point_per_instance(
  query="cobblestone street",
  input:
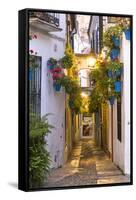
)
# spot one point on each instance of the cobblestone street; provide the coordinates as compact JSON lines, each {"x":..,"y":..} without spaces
{"x":88,"y":165}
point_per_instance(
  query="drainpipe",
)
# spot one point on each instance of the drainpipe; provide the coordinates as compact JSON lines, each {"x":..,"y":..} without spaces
{"x":88,"y":31}
{"x":101,"y":32}
{"x":74,"y":31}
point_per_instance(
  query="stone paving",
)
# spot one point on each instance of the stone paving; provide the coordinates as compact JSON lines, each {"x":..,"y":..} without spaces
{"x":88,"y":165}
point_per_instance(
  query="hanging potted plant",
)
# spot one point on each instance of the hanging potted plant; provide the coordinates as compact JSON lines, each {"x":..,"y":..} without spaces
{"x":127,"y":34}
{"x":57,"y":82}
{"x":117,"y":86}
{"x":125,"y":24}
{"x":75,"y":102}
{"x":116,"y":41}
{"x":51,"y":63}
{"x":67,"y":60}
{"x":57,"y":76}
{"x":57,"y":86}
{"x":110,"y":73}
{"x":114,"y":54}
{"x":112,"y":36}
{"x":114,"y":68}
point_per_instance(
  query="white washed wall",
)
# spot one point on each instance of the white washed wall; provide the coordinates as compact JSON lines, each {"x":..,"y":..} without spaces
{"x":122,"y":149}
{"x":126,"y":103}
{"x":52,"y":45}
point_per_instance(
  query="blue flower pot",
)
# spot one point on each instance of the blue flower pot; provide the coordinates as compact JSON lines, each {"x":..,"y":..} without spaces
{"x":51,"y":67}
{"x":118,"y":72}
{"x":127,"y":34}
{"x":57,"y":87}
{"x":117,"y":86}
{"x":110,"y":73}
{"x":111,"y":100}
{"x":116,"y":41}
{"x":114,"y":54}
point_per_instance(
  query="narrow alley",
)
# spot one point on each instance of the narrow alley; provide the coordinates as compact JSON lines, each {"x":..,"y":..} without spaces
{"x":79,"y":94}
{"x":87,"y":165}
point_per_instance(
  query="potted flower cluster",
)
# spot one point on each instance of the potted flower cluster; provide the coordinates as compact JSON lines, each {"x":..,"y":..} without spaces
{"x":51,"y":64}
{"x":68,"y":59}
{"x":112,"y":40}
{"x":114,"y":69}
{"x":125,"y":25}
{"x":57,"y":75}
{"x":73,"y":89}
{"x":56,"y":72}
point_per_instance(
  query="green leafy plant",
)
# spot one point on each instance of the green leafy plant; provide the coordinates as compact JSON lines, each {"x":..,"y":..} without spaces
{"x":75,"y":103}
{"x":68,"y":60}
{"x":52,"y":61}
{"x":72,"y":88}
{"x":39,"y":158}
{"x":95,"y":101}
{"x":33,"y":62}
{"x":124,"y":23}
{"x":114,"y":65}
{"x":71,"y":85}
{"x":100,"y":79}
{"x":115,"y":31}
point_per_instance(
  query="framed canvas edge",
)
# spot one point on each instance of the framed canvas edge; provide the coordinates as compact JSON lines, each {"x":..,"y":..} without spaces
{"x":23,"y":127}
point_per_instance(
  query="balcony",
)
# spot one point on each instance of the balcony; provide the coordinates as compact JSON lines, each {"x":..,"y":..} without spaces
{"x":48,"y":22}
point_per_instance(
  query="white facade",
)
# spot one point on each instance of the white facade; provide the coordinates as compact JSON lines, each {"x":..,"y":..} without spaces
{"x":52,"y":45}
{"x":81,"y":40}
{"x":121,"y":150}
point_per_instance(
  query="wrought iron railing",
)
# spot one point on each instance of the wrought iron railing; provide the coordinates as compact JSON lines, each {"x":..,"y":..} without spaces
{"x":52,"y":18}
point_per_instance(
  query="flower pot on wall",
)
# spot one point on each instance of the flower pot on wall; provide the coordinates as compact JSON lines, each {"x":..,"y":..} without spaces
{"x":114,"y":54}
{"x":110,"y":73}
{"x":57,"y":87}
{"x":117,"y":86}
{"x":127,"y":34}
{"x":51,"y":67}
{"x":111,"y":100}
{"x":116,"y":41}
{"x":118,"y":72}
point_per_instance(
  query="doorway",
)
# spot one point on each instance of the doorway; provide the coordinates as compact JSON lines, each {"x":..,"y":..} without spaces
{"x":87,"y":127}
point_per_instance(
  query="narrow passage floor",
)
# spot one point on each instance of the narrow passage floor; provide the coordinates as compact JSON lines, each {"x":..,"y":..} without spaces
{"x":88,"y":165}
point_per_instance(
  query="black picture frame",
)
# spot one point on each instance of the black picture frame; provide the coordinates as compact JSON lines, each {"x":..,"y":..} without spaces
{"x":23,"y":133}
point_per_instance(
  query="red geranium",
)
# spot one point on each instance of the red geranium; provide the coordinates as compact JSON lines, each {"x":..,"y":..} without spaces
{"x":56,"y":76}
{"x":57,"y":69}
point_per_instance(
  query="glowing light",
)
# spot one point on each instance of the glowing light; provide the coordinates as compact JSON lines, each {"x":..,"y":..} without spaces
{"x":84,"y":95}
{"x":86,"y":106}
{"x":91,"y":61}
